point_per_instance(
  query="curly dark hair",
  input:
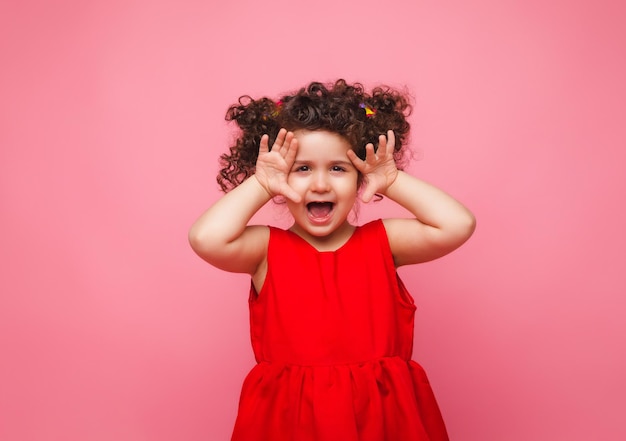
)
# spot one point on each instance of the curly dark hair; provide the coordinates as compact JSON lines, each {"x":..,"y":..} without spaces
{"x":341,"y":108}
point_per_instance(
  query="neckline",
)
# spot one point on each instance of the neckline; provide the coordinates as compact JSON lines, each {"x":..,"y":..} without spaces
{"x":341,"y":247}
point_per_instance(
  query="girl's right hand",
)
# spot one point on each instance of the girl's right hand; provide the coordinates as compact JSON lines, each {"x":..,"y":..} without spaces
{"x":273,"y":166}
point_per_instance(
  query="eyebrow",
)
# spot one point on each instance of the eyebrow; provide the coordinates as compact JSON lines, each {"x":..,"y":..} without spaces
{"x":341,"y":161}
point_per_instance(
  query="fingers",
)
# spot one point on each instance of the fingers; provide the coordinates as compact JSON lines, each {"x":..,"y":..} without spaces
{"x":264,"y":145}
{"x":285,"y":144}
{"x":280,"y":140}
{"x":386,"y":144}
{"x":391,"y":140}
{"x":356,"y":161}
{"x":284,"y":148}
{"x":292,"y":150}
{"x":370,"y":154}
{"x":283,"y":138}
{"x":290,"y":193}
{"x":382,"y":146}
{"x":368,"y":193}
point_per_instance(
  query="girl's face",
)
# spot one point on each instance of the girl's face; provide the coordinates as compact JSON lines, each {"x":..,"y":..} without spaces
{"x":327,"y":182}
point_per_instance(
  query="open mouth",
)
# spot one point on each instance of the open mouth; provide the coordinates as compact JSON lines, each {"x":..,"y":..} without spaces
{"x":320,"y":210}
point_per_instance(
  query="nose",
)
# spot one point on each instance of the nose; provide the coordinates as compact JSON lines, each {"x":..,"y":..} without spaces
{"x":320,"y":182}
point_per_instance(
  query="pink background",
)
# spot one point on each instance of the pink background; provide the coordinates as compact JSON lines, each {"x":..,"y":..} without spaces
{"x":110,"y":127}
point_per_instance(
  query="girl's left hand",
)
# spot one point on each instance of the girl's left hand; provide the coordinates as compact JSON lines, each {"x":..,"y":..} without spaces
{"x":379,"y":168}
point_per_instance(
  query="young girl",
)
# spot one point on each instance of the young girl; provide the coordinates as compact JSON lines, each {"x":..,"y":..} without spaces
{"x":331,"y":322}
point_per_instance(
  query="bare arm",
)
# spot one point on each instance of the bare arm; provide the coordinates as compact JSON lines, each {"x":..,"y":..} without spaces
{"x":441,"y":223}
{"x":221,"y":235}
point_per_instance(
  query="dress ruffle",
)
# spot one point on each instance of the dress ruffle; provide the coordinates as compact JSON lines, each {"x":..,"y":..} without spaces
{"x":387,"y":399}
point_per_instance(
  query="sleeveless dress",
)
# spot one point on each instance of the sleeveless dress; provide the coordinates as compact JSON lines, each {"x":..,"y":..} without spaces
{"x":332,"y":334}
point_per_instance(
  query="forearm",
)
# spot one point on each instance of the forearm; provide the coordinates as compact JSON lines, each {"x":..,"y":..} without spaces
{"x":430,"y":205}
{"x":226,"y":220}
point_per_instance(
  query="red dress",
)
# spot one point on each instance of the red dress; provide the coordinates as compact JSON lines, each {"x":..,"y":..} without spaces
{"x":332,"y":332}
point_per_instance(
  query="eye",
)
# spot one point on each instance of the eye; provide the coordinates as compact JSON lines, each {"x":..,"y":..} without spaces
{"x":338,"y":168}
{"x":303,"y":168}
